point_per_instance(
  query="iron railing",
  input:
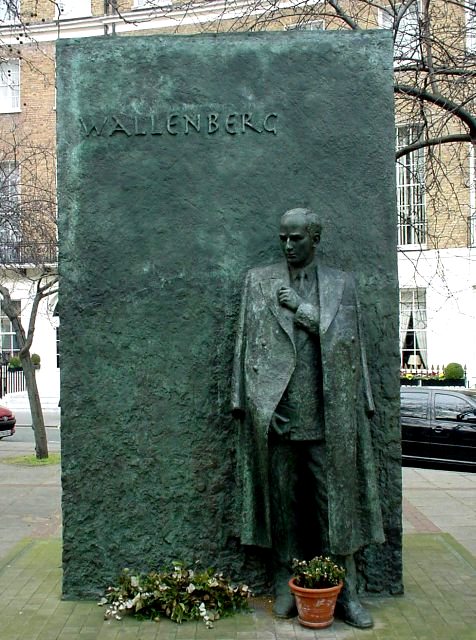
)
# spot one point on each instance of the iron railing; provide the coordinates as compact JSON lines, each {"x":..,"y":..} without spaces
{"x":11,"y":381}
{"x":23,"y":253}
{"x":431,"y":376}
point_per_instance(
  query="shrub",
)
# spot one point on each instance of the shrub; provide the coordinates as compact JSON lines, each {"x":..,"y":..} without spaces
{"x":14,"y":363}
{"x":35,"y":359}
{"x":453,"y":371}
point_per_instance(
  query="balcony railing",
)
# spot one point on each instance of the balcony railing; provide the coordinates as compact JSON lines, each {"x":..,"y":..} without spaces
{"x":26,"y":253}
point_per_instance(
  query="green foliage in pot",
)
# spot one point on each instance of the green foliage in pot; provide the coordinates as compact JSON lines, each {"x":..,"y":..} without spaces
{"x":35,"y":359}
{"x":182,"y":593}
{"x":14,"y":363}
{"x":453,"y":371}
{"x":319,"y":573}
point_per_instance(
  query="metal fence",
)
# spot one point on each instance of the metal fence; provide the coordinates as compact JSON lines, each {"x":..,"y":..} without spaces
{"x":11,"y":381}
{"x":433,"y":376}
{"x":28,"y":253}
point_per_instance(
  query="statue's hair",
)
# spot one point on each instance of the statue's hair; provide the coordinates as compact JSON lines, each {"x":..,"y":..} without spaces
{"x":313,"y":224}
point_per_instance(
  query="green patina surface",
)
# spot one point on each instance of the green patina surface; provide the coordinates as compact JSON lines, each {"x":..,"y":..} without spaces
{"x":176,"y":158}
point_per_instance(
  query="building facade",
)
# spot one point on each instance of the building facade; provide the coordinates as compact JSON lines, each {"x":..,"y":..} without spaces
{"x":436,"y":188}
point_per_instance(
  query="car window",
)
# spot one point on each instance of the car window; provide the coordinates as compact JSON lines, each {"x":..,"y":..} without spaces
{"x":414,"y":404}
{"x":447,"y":406}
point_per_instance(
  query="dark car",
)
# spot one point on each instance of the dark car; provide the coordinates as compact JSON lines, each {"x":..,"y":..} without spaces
{"x":438,"y":427}
{"x":7,"y":423}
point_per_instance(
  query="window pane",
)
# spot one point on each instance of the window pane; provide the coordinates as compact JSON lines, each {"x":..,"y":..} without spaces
{"x":411,"y":187}
{"x":8,"y":10}
{"x":414,"y":404}
{"x":9,"y":85}
{"x":448,"y":407}
{"x":407,"y":48}
{"x":413,"y":325}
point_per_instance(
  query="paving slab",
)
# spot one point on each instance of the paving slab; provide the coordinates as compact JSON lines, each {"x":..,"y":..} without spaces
{"x":439,"y":603}
{"x":439,"y":571}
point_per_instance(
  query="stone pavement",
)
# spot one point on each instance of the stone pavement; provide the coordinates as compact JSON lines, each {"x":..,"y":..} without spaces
{"x":440,"y":572}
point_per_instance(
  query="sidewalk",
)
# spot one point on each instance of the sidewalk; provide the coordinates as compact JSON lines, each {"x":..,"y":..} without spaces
{"x":440,"y":573}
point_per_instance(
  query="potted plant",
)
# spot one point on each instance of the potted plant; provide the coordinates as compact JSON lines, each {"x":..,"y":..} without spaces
{"x":35,"y":360}
{"x":316,"y":584}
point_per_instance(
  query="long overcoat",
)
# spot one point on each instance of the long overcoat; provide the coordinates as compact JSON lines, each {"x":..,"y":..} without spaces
{"x":265,"y":358}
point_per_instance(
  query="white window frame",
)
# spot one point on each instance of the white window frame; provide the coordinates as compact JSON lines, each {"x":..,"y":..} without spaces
{"x":10,"y":230}
{"x":470,"y":19}
{"x":9,"y":11}
{"x":411,"y":192}
{"x":312,"y":25}
{"x":407,"y":40}
{"x":10,"y":81}
{"x":413,"y":310}
{"x":14,"y":348}
{"x":71,"y":9}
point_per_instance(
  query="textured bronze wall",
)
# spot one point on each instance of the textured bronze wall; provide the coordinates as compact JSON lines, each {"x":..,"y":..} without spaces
{"x":176,"y":158}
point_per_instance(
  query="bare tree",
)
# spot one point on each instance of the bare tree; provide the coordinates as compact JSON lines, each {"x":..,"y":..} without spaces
{"x":434,"y":46}
{"x":45,"y":285}
{"x":27,"y":245}
{"x":435,"y":87}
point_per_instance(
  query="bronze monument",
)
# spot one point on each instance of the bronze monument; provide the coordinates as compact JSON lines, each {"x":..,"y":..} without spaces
{"x":302,"y":394}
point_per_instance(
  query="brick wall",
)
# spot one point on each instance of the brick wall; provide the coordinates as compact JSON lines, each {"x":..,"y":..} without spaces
{"x":447,"y":177}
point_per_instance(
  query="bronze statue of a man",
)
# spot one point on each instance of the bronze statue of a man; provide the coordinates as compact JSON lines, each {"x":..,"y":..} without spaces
{"x":301,"y":390}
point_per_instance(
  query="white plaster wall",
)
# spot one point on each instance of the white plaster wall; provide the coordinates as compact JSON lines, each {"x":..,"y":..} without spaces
{"x":44,"y":340}
{"x":449,"y":277}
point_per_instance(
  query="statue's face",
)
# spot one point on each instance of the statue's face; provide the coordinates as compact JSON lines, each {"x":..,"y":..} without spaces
{"x":297,"y":244}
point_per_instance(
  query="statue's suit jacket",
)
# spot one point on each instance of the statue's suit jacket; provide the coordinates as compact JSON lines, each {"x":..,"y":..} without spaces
{"x":265,"y":357}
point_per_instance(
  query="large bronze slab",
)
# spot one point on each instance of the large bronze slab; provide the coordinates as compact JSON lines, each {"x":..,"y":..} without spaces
{"x":176,"y":158}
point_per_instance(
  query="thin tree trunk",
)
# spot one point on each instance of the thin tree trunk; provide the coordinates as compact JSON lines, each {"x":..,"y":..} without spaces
{"x":24,"y":341}
{"x":38,"y":423}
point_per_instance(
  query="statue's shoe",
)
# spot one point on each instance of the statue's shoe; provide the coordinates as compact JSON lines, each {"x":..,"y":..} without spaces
{"x":353,"y":613}
{"x":285,"y":606}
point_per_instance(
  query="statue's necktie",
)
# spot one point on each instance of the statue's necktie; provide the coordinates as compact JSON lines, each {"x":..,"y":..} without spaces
{"x":300,"y":284}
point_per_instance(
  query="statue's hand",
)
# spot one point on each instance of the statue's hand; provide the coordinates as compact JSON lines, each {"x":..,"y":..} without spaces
{"x":280,"y":424}
{"x":288,"y":298}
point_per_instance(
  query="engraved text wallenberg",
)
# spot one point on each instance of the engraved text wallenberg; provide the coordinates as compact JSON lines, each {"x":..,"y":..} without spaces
{"x":176,"y":124}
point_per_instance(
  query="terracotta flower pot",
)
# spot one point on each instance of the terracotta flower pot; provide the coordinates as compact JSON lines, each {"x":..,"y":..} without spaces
{"x":315,"y":606}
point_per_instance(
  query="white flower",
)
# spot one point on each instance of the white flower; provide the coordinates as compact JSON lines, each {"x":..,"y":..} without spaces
{"x":134,"y":581}
{"x":191,"y":588}
{"x":213,"y":582}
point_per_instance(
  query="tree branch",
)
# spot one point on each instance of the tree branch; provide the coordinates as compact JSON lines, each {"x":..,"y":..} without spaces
{"x":343,"y":16}
{"x":448,"y":105}
{"x":431,"y":142}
